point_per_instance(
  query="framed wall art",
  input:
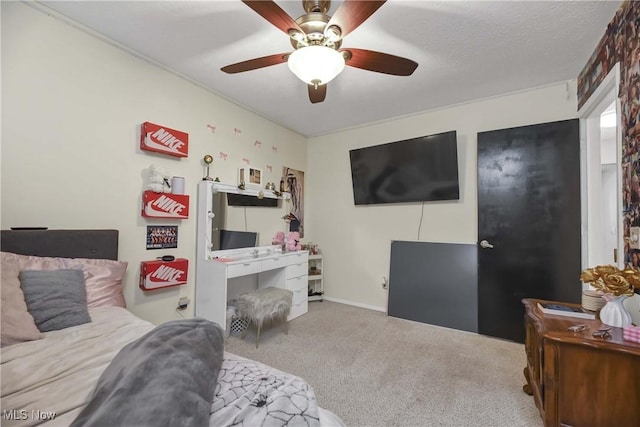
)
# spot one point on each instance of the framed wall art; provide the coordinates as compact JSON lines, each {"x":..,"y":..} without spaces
{"x":162,"y":236}
{"x":250,"y":176}
{"x":293,"y":181}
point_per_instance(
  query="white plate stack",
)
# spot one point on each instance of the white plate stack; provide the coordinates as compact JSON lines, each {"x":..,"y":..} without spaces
{"x":592,"y":300}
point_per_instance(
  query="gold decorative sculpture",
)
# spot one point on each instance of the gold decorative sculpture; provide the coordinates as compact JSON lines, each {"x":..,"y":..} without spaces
{"x":207,"y":159}
{"x":609,"y":279}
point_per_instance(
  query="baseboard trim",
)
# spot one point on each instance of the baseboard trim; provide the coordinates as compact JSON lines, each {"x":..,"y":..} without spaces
{"x":356,"y":304}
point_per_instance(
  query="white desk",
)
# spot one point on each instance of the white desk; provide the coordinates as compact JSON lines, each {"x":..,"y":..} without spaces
{"x":215,"y":278}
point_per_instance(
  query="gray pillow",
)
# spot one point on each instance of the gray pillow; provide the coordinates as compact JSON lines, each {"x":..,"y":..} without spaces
{"x":56,"y":299}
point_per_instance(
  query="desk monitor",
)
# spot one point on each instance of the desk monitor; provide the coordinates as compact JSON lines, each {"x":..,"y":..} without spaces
{"x":237,"y":239}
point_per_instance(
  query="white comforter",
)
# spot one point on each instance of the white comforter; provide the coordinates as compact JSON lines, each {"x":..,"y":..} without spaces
{"x":49,"y":381}
{"x":57,"y":374}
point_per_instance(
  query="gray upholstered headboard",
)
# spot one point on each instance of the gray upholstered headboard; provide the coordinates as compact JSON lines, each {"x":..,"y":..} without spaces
{"x":96,"y":244}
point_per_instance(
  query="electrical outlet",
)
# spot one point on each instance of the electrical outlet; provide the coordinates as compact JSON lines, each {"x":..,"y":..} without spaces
{"x":183,"y":303}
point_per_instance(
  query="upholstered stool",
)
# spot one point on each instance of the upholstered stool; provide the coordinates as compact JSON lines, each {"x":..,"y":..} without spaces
{"x":265,"y":304}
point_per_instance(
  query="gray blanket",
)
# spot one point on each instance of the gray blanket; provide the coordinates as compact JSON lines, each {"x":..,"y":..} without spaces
{"x":165,"y":378}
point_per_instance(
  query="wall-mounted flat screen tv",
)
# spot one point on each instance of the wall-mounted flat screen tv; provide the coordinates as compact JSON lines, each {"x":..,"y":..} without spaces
{"x":415,"y":170}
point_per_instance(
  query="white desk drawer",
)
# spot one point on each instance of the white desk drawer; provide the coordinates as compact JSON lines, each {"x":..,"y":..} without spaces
{"x":298,"y":310}
{"x":299,"y":256}
{"x":273,"y":263}
{"x":243,"y":269}
{"x":300,"y":282}
{"x":300,"y":295}
{"x":296,"y":270}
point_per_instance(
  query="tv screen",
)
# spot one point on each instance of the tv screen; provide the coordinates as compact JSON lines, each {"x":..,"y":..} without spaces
{"x":414,"y":170}
{"x":237,"y":239}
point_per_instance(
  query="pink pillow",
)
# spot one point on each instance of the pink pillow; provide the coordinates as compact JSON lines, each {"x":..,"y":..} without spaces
{"x":103,"y":277}
{"x":17,"y":324}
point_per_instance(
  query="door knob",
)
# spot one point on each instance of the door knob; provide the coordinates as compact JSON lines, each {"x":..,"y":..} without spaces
{"x":486,"y":245}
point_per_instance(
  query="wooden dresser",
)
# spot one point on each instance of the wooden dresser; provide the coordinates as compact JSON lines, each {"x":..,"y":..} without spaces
{"x":576,"y":379}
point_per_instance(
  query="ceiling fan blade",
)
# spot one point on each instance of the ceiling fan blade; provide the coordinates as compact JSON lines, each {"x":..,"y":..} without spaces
{"x":352,"y":13}
{"x":317,"y":94}
{"x":380,"y":62}
{"x":274,"y":14}
{"x":254,"y":64}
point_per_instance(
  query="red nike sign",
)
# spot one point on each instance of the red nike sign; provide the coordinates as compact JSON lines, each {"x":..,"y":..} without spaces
{"x":163,"y":274}
{"x":162,"y":139}
{"x":165,"y":205}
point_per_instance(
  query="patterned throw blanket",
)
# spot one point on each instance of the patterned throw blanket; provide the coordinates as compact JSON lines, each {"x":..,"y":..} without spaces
{"x":250,"y":394}
{"x":165,"y":378}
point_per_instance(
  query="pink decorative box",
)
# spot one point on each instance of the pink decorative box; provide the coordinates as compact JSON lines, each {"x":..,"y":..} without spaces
{"x":631,"y":333}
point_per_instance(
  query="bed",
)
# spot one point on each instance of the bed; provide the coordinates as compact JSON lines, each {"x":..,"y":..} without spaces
{"x":118,"y":369}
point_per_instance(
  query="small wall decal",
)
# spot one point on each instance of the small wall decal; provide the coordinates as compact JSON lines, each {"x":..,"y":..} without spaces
{"x":237,"y":131}
{"x":245,"y":160}
{"x":211,"y":128}
{"x":223,"y":156}
{"x":270,"y":168}
{"x":257,"y":143}
{"x":274,"y":148}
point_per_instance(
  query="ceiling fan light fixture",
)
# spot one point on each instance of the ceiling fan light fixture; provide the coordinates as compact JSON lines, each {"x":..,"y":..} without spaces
{"x":313,"y":64}
{"x":333,"y":33}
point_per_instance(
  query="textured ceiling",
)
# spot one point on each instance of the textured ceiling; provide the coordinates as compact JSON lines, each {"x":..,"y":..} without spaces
{"x":466,"y":50}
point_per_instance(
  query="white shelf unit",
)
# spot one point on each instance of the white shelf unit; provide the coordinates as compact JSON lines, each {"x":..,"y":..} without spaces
{"x":316,"y":271}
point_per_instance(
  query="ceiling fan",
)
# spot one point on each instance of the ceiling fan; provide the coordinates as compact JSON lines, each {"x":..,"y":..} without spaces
{"x":317,"y":39}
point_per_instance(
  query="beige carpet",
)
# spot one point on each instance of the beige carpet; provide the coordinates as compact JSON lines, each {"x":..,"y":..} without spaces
{"x":374,"y":370}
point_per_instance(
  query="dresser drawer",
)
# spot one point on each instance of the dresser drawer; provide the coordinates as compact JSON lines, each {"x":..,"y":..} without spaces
{"x":300,"y":295}
{"x":298,"y":269}
{"x":298,"y":309}
{"x":273,"y":263}
{"x":300,"y":282}
{"x":299,"y":256}
{"x":243,"y":269}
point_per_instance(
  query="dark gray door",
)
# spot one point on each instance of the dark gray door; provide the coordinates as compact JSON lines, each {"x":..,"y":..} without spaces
{"x":529,"y":216}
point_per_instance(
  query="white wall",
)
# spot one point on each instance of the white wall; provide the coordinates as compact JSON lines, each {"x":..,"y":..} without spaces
{"x":356,"y":240}
{"x":609,"y":204}
{"x":72,"y":105}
